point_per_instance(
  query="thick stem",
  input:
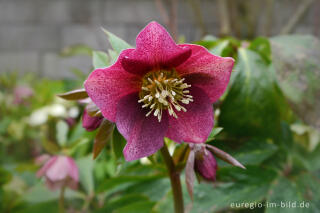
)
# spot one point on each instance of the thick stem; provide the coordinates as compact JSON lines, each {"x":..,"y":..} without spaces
{"x":61,"y":199}
{"x":174,"y":179}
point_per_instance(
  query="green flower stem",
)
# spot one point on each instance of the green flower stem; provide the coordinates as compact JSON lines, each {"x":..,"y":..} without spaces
{"x":61,"y":199}
{"x":174,"y":179}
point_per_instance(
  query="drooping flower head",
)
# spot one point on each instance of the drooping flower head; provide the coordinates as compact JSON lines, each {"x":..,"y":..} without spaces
{"x":60,"y":171}
{"x":205,"y":163}
{"x":91,"y":118}
{"x":160,"y":89}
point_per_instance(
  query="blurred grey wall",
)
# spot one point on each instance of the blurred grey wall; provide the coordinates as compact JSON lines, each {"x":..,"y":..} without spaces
{"x":33,"y":32}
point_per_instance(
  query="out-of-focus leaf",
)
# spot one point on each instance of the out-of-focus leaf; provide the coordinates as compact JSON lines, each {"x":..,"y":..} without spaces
{"x":62,"y":132}
{"x":5,"y":176}
{"x":113,"y":56}
{"x":253,"y":152}
{"x":309,"y":188}
{"x":137,"y":207}
{"x":306,"y":159}
{"x":100,"y":59}
{"x":78,"y":49}
{"x":155,"y":187}
{"x":122,"y":201}
{"x":190,"y":174}
{"x":74,"y":95}
{"x":118,"y":143}
{"x":48,"y":207}
{"x":282,"y":192}
{"x":50,"y":146}
{"x":253,"y":95}
{"x":225,"y":156}
{"x":102,"y":137}
{"x":215,"y":131}
{"x":305,"y":135}
{"x":208,"y":41}
{"x":40,"y":193}
{"x":85,"y":166}
{"x":117,"y":43}
{"x":296,"y":59}
{"x":114,"y":182}
{"x":218,"y":49}
{"x":262,"y":46}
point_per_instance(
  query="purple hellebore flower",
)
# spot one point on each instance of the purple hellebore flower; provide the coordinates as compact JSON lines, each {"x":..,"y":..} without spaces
{"x":60,"y":171}
{"x":160,"y":89}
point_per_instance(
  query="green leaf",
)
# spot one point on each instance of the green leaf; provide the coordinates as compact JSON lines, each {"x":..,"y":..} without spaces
{"x":297,"y":64}
{"x":62,"y":133}
{"x":154,"y":187}
{"x":253,"y":152}
{"x":282,"y":192}
{"x":85,"y":166}
{"x":309,"y":188}
{"x":48,"y":207}
{"x":117,"y":43}
{"x":137,"y":207}
{"x":102,"y":137}
{"x":100,"y":59}
{"x":113,"y":56}
{"x":5,"y":176}
{"x":120,"y":202}
{"x":40,"y":193}
{"x":118,"y":143}
{"x":119,"y":180}
{"x":78,"y":49}
{"x":254,"y":106}
{"x":218,"y":49}
{"x":262,"y":46}
{"x":74,"y":95}
{"x":215,"y":131}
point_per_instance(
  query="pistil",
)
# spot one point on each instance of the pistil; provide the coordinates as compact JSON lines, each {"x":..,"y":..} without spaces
{"x":164,"y":90}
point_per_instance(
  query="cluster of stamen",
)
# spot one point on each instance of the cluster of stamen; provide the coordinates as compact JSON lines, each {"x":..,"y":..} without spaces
{"x":164,"y":90}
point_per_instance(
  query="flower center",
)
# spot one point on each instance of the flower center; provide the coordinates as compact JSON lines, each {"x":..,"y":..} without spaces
{"x":164,"y":90}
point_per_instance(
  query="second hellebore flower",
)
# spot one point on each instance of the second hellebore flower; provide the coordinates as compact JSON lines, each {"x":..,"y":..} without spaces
{"x":160,"y":89}
{"x":60,"y":171}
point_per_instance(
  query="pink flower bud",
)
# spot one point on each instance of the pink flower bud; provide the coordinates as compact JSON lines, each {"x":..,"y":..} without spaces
{"x":60,"y":171}
{"x":42,"y":159}
{"x":90,"y":123}
{"x":21,"y":93}
{"x":206,"y":164}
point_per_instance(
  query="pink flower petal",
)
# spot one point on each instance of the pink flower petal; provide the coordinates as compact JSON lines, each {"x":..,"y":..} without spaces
{"x":59,"y":170}
{"x":106,"y":86}
{"x":209,"y":72}
{"x":195,"y":125}
{"x":155,"y":49}
{"x":73,"y":169}
{"x":90,"y":123}
{"x":46,"y":166}
{"x":144,"y":135}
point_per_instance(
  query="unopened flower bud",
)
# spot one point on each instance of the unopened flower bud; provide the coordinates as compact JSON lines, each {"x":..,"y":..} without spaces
{"x":91,"y":123}
{"x":206,"y":164}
